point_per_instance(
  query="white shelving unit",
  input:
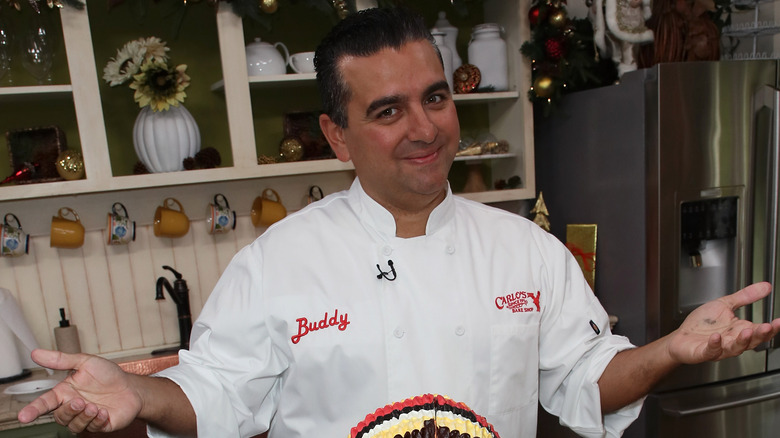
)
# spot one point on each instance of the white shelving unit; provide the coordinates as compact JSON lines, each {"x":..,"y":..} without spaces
{"x":509,"y":114}
{"x":753,"y":29}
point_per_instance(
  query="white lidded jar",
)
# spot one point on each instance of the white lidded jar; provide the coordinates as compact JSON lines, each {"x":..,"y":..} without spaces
{"x":450,"y":38}
{"x":446,"y":54}
{"x":487,"y":51}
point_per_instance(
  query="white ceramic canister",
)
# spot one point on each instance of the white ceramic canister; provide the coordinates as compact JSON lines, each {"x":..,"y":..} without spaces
{"x":446,"y":54}
{"x":487,"y":51}
{"x":450,"y":38}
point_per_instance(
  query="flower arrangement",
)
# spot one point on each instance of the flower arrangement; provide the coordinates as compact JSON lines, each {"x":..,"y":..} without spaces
{"x":145,"y":62}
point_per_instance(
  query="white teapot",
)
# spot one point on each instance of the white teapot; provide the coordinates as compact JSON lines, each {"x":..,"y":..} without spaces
{"x":264,"y":59}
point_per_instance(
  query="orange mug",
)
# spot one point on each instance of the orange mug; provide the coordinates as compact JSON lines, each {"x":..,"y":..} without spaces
{"x":66,"y":233}
{"x":170,"y":222}
{"x":265,"y":211}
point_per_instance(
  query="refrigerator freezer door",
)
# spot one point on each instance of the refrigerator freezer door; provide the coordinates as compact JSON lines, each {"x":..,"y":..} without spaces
{"x":742,"y":408}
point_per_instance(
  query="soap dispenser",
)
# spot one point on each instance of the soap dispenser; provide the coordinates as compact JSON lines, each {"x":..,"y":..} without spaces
{"x":66,"y":336}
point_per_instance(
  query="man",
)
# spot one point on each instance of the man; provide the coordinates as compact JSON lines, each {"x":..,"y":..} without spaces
{"x":392,"y":289}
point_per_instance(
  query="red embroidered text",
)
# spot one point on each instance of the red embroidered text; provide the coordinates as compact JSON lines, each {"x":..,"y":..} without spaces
{"x":519,"y":301}
{"x":305,"y":327}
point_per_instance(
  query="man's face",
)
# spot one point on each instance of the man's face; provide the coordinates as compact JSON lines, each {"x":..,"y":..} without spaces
{"x":403,"y":129}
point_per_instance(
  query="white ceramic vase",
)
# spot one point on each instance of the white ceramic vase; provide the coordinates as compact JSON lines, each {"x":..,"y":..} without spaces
{"x":163,"y":139}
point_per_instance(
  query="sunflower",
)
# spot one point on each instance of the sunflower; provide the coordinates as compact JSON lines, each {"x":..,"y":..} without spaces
{"x":155,"y":49}
{"x":126,"y":63}
{"x":159,"y":85}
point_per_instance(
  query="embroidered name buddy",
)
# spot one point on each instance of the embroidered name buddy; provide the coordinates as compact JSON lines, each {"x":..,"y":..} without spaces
{"x":305,"y":327}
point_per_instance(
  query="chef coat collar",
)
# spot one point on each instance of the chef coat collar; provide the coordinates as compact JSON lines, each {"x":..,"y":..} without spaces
{"x":381,"y":220}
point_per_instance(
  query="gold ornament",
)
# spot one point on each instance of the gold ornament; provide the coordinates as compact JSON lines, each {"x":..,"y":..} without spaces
{"x":70,"y":165}
{"x":269,"y":6}
{"x":541,"y":213}
{"x":558,"y":18}
{"x":291,"y":149}
{"x":341,"y":8}
{"x":543,"y":86}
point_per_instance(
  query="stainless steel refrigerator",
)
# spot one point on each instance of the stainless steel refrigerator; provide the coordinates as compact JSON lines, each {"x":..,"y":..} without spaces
{"x":678,"y":167}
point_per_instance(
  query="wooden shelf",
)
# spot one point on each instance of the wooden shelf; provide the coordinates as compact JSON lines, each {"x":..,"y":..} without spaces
{"x":271,"y":81}
{"x":35,"y":93}
{"x":171,"y":179}
{"x":310,"y":79}
{"x":484,"y":157}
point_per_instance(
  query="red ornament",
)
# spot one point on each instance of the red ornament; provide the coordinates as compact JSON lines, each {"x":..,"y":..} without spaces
{"x":533,"y":15}
{"x":555,"y":48}
{"x":466,"y":78}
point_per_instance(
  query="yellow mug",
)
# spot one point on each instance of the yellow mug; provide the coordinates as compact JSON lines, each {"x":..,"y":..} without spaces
{"x":66,"y":233}
{"x":169,"y":222}
{"x":265,"y":211}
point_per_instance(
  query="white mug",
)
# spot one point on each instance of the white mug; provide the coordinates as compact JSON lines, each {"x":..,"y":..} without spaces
{"x":219,"y":217}
{"x":14,"y":242}
{"x":121,"y":230}
{"x":302,"y":62}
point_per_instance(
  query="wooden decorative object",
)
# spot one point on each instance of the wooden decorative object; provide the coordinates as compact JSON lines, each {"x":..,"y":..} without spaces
{"x":305,"y":127}
{"x":36,"y":145}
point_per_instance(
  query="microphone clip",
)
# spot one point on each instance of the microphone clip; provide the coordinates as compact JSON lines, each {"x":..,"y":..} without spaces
{"x":386,"y":275}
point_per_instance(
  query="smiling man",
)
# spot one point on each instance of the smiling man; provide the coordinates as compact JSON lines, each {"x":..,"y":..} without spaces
{"x":401,"y":129}
{"x":302,"y":338}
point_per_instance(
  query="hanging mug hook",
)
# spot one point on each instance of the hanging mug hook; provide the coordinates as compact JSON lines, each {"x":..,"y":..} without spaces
{"x":224,"y":198}
{"x":114,"y":209}
{"x":315,"y":197}
{"x":5,"y":220}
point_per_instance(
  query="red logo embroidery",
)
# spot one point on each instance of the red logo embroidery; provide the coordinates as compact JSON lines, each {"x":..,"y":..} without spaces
{"x":305,"y":327}
{"x":519,"y":302}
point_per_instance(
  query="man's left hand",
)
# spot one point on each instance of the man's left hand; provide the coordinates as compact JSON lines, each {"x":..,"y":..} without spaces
{"x":713,"y":332}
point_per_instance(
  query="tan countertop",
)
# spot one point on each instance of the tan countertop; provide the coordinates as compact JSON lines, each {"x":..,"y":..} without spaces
{"x":144,"y":364}
{"x":10,"y":406}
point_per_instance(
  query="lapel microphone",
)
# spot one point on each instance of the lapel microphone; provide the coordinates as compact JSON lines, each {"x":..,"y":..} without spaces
{"x":384,"y":274}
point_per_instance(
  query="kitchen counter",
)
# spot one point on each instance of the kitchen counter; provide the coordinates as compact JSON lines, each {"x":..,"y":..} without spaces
{"x":10,"y":406}
{"x":144,"y":364}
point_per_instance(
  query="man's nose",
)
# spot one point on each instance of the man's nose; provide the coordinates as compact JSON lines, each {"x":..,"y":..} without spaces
{"x":421,"y":127}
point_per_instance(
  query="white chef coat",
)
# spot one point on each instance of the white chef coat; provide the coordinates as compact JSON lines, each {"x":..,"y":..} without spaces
{"x":300,"y":335}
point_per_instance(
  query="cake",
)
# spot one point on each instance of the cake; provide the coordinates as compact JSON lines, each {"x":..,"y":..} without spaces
{"x":424,"y":416}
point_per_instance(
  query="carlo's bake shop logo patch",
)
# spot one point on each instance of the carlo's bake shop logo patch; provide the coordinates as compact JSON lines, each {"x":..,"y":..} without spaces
{"x":305,"y":327}
{"x":519,"y":302}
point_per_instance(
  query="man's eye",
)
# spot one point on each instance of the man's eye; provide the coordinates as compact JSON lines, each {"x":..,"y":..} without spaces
{"x":388,"y":112}
{"x":436,"y":98}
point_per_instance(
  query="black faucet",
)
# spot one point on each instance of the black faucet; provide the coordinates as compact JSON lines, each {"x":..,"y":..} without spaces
{"x":180,"y":295}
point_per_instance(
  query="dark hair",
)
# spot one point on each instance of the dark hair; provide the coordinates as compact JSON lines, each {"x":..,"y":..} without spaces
{"x":362,"y":34}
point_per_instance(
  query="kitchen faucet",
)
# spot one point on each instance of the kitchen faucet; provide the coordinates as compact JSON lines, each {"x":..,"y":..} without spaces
{"x":180,"y":295}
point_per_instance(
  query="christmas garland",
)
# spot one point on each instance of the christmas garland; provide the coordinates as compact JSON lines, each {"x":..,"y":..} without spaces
{"x":562,"y":54}
{"x":16,"y":4}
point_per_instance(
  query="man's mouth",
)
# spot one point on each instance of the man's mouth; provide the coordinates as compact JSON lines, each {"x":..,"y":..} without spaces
{"x":425,"y":158}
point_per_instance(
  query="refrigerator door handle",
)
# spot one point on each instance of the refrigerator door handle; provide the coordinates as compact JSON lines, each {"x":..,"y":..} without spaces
{"x":705,"y":405}
{"x":768,"y":98}
{"x":774,"y":156}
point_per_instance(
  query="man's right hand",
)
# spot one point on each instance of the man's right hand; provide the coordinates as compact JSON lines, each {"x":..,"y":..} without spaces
{"x":97,"y":396}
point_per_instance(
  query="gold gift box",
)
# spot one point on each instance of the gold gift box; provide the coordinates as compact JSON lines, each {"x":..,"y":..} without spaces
{"x":581,"y":241}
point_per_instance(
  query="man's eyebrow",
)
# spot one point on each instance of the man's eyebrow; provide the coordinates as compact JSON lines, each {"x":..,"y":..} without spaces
{"x":438,"y":86}
{"x":383,"y":101}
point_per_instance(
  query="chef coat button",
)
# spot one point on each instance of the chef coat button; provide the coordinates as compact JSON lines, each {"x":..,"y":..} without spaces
{"x":450,"y":249}
{"x":386,"y":250}
{"x":460,"y":330}
{"x":398,"y":332}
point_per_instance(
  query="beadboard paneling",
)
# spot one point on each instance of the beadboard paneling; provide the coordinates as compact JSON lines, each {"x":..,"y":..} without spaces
{"x":109,"y":291}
